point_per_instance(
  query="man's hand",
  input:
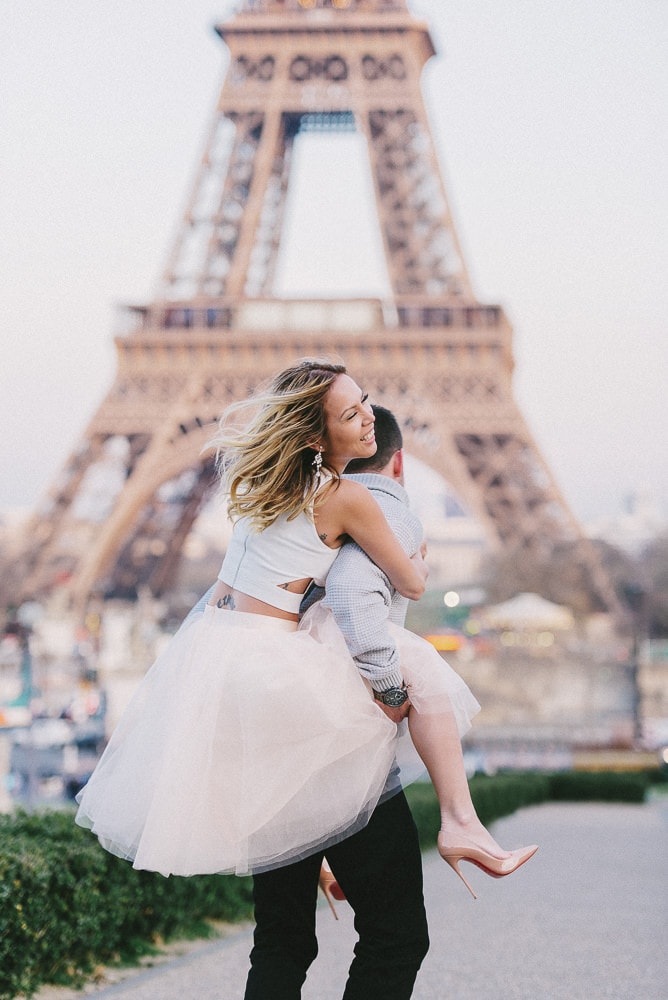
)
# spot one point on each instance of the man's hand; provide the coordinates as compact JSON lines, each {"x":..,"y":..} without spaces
{"x":395,"y":715}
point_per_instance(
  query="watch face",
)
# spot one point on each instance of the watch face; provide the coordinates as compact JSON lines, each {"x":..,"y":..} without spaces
{"x":394,"y":698}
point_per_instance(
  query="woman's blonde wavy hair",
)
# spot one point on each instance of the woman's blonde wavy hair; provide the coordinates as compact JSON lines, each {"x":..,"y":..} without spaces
{"x":266,"y":467}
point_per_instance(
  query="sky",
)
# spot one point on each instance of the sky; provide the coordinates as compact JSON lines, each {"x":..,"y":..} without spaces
{"x":549,"y":119}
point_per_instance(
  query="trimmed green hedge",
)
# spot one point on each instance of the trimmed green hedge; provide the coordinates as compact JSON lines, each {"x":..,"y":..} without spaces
{"x":600,"y":786}
{"x":66,"y":905}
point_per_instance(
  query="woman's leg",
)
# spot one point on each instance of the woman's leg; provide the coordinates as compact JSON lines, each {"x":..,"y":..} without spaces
{"x":436,"y":739}
{"x":442,"y":707}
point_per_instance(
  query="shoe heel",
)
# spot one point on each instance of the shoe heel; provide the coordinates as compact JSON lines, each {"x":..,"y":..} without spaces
{"x":330,"y":887}
{"x":326,"y":891}
{"x":454,"y":864}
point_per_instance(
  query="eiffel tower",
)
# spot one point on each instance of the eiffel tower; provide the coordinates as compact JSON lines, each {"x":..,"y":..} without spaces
{"x":429,"y":350}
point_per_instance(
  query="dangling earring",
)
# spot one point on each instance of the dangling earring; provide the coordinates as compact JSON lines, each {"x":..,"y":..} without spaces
{"x":317,"y":462}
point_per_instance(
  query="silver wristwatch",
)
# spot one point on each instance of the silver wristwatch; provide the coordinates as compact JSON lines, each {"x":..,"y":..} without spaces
{"x":394,"y":697}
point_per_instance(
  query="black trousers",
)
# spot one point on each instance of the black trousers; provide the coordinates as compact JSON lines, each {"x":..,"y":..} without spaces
{"x":380,"y":871}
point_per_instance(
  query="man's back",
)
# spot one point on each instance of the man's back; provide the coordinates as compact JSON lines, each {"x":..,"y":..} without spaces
{"x":360,"y":595}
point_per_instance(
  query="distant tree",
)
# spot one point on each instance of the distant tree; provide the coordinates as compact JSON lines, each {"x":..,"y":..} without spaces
{"x":562,"y":575}
{"x":641,"y":582}
{"x":620,"y":567}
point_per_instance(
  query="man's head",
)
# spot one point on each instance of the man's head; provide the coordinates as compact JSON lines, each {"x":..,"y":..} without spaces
{"x":389,"y":457}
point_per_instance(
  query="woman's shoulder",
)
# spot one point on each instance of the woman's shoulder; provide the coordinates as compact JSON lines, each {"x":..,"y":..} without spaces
{"x":343,"y":488}
{"x":345,"y":494}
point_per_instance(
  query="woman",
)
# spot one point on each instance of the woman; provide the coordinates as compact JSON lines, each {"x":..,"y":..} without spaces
{"x":250,"y":743}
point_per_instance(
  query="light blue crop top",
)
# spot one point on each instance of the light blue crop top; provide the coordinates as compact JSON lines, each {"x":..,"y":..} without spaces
{"x":258,"y":562}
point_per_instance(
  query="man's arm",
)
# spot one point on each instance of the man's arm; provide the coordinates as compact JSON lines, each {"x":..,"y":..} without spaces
{"x":360,"y":597}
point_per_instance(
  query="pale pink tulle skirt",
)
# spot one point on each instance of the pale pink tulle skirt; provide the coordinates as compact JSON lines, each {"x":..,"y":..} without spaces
{"x":248,"y":745}
{"x":433,"y":686}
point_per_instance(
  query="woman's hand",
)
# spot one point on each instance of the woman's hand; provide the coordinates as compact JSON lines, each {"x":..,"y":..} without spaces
{"x":395,"y":715}
{"x":418,"y":560}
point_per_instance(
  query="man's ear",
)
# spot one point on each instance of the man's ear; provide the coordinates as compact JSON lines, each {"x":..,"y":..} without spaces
{"x":398,"y":464}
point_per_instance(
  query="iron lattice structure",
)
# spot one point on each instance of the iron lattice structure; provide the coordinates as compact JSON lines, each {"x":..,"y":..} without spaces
{"x":434,"y":354}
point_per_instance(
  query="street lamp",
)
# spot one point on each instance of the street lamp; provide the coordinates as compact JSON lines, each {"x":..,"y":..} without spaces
{"x":634,"y":596}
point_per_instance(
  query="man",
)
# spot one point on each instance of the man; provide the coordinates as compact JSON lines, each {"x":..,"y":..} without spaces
{"x":380,"y":868}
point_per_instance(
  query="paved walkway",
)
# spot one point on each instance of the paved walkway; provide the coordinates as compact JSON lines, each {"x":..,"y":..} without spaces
{"x":586,"y":919}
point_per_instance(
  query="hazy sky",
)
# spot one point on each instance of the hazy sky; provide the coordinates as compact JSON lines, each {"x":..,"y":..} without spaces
{"x":549,"y":117}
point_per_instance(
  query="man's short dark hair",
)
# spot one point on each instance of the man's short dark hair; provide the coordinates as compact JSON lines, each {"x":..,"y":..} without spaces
{"x":388,"y":440}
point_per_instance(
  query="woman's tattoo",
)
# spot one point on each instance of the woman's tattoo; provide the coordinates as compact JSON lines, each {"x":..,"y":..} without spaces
{"x":226,"y":602}
{"x":323,"y":536}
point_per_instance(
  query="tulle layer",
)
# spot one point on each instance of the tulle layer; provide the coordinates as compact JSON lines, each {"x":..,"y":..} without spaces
{"x":433,"y":686}
{"x":245,"y":747}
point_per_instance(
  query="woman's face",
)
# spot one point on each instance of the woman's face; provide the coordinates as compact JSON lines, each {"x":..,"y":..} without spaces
{"x":350,"y":423}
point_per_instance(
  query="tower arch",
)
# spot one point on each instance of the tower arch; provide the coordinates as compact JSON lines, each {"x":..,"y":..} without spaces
{"x":429,"y":349}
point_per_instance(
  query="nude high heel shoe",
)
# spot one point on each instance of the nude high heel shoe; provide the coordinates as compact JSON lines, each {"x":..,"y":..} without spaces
{"x":330,"y":887}
{"x":496,"y":867}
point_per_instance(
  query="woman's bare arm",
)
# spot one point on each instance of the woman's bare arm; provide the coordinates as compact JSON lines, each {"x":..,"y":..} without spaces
{"x":350,"y":509}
